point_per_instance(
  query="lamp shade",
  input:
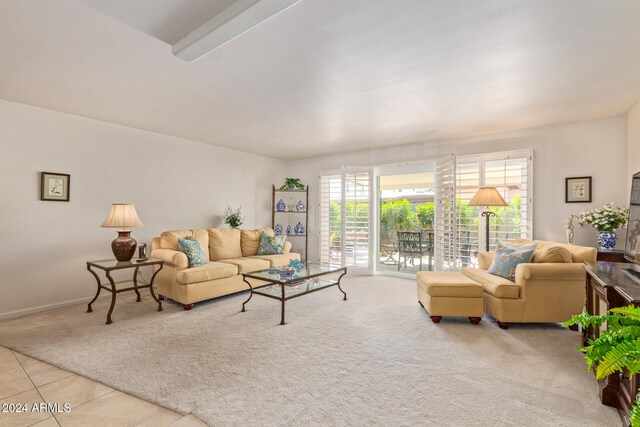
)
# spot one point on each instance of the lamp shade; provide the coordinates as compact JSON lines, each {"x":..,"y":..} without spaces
{"x":487,"y":196}
{"x":122,"y":215}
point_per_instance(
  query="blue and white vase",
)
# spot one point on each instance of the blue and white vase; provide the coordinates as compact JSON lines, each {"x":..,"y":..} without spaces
{"x":607,"y":240}
{"x":281,"y":206}
{"x":300,"y":206}
{"x":299,"y":229}
{"x":288,"y":229}
{"x":278,"y":229}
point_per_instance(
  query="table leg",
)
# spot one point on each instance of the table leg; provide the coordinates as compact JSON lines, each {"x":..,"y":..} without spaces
{"x":283,"y":301}
{"x":250,"y":295}
{"x":113,"y":298}
{"x":135,"y":283}
{"x":153,"y":294}
{"x":340,"y":278}
{"x":89,"y":309}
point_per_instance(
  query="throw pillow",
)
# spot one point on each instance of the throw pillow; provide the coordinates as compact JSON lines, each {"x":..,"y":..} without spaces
{"x":507,"y":259}
{"x":271,"y":245}
{"x":191,"y":247}
{"x":552,"y":253}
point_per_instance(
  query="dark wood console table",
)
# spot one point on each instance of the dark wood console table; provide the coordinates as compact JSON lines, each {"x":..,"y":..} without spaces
{"x":613,"y":256}
{"x":608,"y":287}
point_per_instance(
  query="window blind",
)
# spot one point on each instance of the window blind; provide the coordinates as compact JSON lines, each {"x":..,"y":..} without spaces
{"x":510,"y":173}
{"x":345,"y":219}
{"x":445,"y":226}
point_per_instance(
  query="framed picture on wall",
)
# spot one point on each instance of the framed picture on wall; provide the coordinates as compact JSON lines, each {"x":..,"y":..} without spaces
{"x":55,"y":186}
{"x":577,"y":189}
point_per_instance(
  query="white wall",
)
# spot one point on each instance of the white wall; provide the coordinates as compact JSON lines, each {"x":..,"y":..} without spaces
{"x":633,"y":157}
{"x":174,"y":183}
{"x":594,"y":148}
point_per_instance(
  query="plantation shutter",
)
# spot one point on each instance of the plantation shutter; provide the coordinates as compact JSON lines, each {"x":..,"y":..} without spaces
{"x":345,"y":220}
{"x":511,"y":177}
{"x":510,"y":174}
{"x":330,"y":219}
{"x":445,"y":215}
{"x":468,"y":179}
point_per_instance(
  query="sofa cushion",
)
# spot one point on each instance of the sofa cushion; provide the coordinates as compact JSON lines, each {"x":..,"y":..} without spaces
{"x":448,"y":284}
{"x":224,"y":243}
{"x":246,"y":265}
{"x":508,"y":256}
{"x":191,"y":248}
{"x":169,"y":239}
{"x":278,"y":260}
{"x":578,"y":253}
{"x":271,"y":245}
{"x":250,"y":240}
{"x":582,"y":253}
{"x":492,"y":284}
{"x":551,"y":253}
{"x":209,"y":271}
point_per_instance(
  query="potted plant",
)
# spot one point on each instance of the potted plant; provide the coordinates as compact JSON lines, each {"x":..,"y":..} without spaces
{"x":606,"y":220}
{"x":617,"y":349}
{"x":292,"y":184}
{"x":233,"y":218}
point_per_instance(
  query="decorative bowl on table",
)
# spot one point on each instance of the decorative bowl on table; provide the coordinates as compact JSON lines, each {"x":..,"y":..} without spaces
{"x":287,"y":273}
{"x":284,"y":272}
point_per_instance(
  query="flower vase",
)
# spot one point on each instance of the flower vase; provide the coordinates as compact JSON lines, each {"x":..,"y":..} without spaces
{"x":607,"y":240}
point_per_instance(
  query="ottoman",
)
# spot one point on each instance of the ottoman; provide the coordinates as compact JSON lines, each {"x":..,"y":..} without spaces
{"x":449,"y":294}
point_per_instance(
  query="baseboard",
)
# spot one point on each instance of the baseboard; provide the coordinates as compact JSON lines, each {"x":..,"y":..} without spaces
{"x":27,"y":311}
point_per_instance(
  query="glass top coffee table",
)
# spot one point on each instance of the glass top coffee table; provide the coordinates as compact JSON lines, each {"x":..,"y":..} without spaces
{"x":311,"y":278}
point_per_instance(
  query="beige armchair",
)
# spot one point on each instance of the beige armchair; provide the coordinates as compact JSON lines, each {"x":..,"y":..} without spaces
{"x":541,"y":292}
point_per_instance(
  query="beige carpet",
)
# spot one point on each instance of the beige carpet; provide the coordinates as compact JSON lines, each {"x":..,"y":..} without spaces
{"x":375,"y":359}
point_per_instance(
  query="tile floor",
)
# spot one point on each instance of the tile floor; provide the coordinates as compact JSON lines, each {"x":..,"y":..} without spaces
{"x":24,"y":380}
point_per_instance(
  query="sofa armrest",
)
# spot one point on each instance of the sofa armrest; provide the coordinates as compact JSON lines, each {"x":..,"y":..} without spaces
{"x":287,"y":247}
{"x":485,"y":259}
{"x":176,"y":259}
{"x":155,"y":243}
{"x":549,"y":271}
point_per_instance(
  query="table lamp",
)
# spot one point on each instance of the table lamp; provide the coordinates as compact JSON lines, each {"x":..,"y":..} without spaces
{"x":123,"y":216}
{"x":487,"y":196}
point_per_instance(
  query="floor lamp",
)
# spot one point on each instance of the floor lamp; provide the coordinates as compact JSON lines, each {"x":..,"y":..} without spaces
{"x":487,"y":196}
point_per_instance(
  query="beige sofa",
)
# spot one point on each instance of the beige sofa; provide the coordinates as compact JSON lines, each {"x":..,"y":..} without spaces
{"x":542,"y":291}
{"x":230,"y":252}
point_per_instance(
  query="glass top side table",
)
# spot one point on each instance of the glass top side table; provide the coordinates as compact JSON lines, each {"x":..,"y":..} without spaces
{"x":109,"y":265}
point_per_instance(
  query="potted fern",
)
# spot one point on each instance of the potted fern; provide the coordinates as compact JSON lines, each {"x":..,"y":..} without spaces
{"x":617,"y":349}
{"x":292,"y":184}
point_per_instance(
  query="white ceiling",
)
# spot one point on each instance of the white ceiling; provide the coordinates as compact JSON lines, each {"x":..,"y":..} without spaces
{"x":326,"y":76}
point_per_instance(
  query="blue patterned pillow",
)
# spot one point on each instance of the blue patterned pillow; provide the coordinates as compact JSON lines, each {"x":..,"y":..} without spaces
{"x":507,"y":258}
{"x":191,"y":247}
{"x":271,"y":245}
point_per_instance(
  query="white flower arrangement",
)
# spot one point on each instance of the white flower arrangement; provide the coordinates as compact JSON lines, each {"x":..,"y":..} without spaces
{"x":608,"y":218}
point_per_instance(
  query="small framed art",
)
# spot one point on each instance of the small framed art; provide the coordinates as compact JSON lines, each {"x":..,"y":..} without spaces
{"x":577,"y":190}
{"x":55,"y":186}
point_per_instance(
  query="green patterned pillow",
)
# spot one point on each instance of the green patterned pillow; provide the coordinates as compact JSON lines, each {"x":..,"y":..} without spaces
{"x":271,"y":245}
{"x":191,"y":247}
